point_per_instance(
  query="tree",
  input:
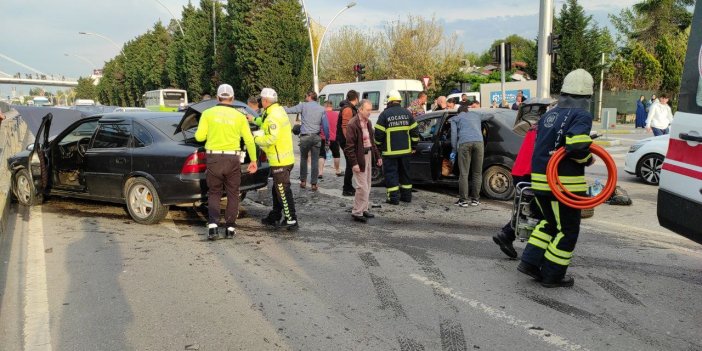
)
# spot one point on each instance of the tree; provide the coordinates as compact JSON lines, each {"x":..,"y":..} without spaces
{"x":671,"y":55}
{"x":36,"y":91}
{"x":648,"y":72}
{"x":650,"y":20}
{"x":620,"y":75}
{"x":346,"y":48}
{"x":86,"y":89}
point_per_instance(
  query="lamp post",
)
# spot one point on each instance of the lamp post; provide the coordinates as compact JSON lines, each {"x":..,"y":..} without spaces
{"x":172,"y":15}
{"x":315,"y":58}
{"x":103,"y":37}
{"x":92,"y":65}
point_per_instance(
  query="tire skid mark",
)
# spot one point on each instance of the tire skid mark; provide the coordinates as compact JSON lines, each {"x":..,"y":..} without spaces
{"x":452,"y":338}
{"x":389,"y":301}
{"x":564,"y":307}
{"x":616,"y":290}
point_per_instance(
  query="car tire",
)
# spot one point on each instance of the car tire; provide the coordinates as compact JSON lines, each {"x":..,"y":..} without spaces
{"x":143,"y":203}
{"x":24,"y":190}
{"x":497,"y":183}
{"x":649,"y":168}
{"x":377,"y":176}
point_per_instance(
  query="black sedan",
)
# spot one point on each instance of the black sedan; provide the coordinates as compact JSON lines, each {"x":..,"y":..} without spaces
{"x":503,"y":132}
{"x":137,"y":159}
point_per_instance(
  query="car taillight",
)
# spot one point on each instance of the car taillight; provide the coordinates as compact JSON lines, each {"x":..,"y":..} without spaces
{"x":195,"y":163}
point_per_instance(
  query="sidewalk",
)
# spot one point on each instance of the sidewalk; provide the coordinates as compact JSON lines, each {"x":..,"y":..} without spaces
{"x":13,"y":132}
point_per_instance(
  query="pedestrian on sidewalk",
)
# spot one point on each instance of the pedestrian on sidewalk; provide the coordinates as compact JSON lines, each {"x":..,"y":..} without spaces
{"x":222,"y":127}
{"x":347,"y":111}
{"x":275,"y":138}
{"x":641,"y":112}
{"x":360,"y":150}
{"x":331,"y":144}
{"x":659,"y":117}
{"x":468,"y":148}
{"x":314,"y":119}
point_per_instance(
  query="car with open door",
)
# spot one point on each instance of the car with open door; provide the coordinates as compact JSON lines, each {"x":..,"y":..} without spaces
{"x":146,"y":160}
{"x":503,"y":134}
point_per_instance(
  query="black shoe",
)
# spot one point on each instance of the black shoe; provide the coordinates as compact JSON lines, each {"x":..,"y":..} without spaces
{"x":230,"y":233}
{"x":348,"y":193}
{"x":530,"y":270}
{"x":505,"y":245}
{"x":361,"y":218}
{"x":368,"y":214}
{"x":291,"y":226}
{"x":212,"y":233}
{"x":564,"y":282}
{"x":267,"y":221}
{"x":392,"y":202}
{"x":406,"y":200}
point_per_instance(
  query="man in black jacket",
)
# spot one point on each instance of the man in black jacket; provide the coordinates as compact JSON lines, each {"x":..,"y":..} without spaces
{"x":347,"y":111}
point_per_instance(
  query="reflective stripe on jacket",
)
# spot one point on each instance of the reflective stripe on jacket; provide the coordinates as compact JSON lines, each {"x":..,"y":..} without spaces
{"x":277,"y":140}
{"x":396,"y":132}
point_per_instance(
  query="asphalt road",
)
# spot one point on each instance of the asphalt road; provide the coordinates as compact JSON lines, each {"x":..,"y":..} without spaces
{"x":79,"y":275}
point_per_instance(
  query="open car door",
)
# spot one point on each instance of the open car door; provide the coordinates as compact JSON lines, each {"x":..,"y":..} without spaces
{"x":38,"y":162}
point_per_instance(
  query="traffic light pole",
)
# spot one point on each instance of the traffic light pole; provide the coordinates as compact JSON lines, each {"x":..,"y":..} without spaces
{"x":543,"y":80}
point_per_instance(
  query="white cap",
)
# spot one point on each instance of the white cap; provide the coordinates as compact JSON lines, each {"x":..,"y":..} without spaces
{"x":394,"y":95}
{"x":578,"y":82}
{"x":225,"y":91}
{"x":268,"y":93}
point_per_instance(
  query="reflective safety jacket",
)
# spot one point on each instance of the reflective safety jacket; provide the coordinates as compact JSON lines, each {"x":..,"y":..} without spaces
{"x":277,"y":140}
{"x":568,"y":125}
{"x":396,"y":132}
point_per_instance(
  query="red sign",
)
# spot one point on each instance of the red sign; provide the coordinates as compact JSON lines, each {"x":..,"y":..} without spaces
{"x":426,"y":80}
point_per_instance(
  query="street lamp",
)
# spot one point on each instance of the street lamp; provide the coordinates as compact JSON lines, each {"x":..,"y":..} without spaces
{"x":103,"y":37}
{"x":92,"y":65}
{"x":315,"y":58}
{"x":172,"y":15}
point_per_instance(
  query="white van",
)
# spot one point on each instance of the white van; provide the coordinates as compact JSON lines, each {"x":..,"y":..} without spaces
{"x":374,"y":90}
{"x":680,"y":191}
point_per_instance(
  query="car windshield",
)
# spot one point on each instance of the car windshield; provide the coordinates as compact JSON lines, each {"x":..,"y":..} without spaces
{"x":168,"y":125}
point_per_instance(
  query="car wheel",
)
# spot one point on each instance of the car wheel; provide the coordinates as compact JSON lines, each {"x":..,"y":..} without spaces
{"x":649,"y":168}
{"x":24,"y":190}
{"x":377,"y":176}
{"x":143,"y":202}
{"x":497,"y":183}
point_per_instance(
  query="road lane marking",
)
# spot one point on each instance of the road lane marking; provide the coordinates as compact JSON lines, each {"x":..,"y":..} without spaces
{"x":495,"y":313}
{"x":37,"y":332}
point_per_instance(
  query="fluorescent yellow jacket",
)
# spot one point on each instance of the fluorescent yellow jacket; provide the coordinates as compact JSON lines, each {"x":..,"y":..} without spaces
{"x":223,"y":127}
{"x":277,"y":140}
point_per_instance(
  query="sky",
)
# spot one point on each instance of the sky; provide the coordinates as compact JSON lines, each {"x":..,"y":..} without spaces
{"x":39,"y":33}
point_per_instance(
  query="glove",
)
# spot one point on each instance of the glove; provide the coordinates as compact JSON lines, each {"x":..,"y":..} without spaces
{"x":258,"y":133}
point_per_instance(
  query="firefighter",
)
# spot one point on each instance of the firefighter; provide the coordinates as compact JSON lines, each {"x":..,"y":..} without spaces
{"x":396,"y":136}
{"x":550,"y":248}
{"x":275,"y":138}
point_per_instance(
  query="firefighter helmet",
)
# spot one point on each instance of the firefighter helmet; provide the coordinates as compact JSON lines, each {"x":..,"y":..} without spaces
{"x":578,"y":82}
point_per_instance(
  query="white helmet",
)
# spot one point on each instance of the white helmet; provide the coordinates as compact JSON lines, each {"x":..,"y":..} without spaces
{"x":394,"y":95}
{"x":578,"y":82}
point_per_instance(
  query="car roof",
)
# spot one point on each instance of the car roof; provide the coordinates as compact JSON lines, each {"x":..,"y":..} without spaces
{"x":506,"y":116}
{"x":136,"y":115}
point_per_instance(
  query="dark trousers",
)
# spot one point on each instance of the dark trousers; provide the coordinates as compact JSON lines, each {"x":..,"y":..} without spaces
{"x":552,"y":242}
{"x":397,"y":180}
{"x":348,"y":173}
{"x":309,"y":144}
{"x":657,"y":131}
{"x":223,"y":174}
{"x":283,"y":202}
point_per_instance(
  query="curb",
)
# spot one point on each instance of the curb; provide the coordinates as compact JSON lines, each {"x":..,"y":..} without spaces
{"x":13,"y":132}
{"x":617,"y":131}
{"x":614,"y":142}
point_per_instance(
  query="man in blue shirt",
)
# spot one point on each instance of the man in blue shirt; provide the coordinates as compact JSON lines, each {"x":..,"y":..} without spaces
{"x":468,"y":148}
{"x":313,"y":117}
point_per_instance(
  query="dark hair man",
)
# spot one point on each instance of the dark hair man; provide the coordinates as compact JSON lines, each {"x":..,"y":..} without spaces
{"x":222,"y":127}
{"x":347,"y":111}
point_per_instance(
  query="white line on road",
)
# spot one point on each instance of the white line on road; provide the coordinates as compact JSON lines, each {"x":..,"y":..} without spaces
{"x":496,"y":313}
{"x":37,"y":332}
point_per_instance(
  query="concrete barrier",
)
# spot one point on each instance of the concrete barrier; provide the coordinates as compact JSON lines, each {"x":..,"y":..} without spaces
{"x":13,"y":135}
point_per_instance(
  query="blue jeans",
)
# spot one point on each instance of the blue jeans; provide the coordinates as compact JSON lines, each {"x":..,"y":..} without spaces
{"x":657,"y":132}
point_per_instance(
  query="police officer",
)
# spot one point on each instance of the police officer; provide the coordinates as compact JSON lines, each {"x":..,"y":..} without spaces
{"x":275,"y":138}
{"x":550,"y":247}
{"x":396,"y":136}
{"x":222,"y":126}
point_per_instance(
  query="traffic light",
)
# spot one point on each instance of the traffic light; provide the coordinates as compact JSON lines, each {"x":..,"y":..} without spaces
{"x":508,"y":56}
{"x":497,"y":54}
{"x":361,"y":72}
{"x":554,"y":43}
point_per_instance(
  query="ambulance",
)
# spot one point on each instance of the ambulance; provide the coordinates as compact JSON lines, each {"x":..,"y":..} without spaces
{"x":680,"y":192}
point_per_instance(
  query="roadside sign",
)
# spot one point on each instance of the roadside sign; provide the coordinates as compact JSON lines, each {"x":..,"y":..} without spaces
{"x":426,"y":80}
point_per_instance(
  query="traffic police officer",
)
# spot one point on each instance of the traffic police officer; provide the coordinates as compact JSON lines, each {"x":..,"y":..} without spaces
{"x":275,"y":138}
{"x":550,"y":247}
{"x":222,"y":126}
{"x":396,"y":136}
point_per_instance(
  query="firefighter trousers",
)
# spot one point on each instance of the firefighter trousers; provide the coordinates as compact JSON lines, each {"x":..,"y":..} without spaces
{"x":397,"y":179}
{"x":551,"y":244}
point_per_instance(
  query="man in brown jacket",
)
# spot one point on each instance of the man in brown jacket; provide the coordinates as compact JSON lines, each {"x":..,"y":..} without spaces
{"x":347,"y":111}
{"x":360,"y":149}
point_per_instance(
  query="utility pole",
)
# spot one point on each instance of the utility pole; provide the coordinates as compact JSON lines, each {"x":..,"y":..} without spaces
{"x":543,"y":80}
{"x":599,"y":107}
{"x":502,"y":69}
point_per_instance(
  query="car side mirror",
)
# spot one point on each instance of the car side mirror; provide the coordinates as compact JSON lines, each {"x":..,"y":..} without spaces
{"x":30,"y":147}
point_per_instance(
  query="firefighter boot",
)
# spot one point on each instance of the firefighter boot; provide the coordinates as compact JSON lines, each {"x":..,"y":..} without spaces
{"x":565,"y":282}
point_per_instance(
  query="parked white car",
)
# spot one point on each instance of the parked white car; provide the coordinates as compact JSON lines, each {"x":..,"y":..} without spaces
{"x":645,"y":158}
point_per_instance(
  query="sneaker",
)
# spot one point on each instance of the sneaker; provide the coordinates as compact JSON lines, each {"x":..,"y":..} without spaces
{"x":212,"y":232}
{"x":230,"y":233}
{"x":290,"y":225}
{"x":314,"y":187}
{"x":348,"y":193}
{"x":565,"y":282}
{"x":368,"y":214}
{"x":392,"y":202}
{"x":358,"y":218}
{"x":505,"y":245}
{"x":530,"y":270}
{"x":340,"y":174}
{"x":461,"y":203}
{"x":269,"y":222}
{"x":474,"y":203}
{"x":320,"y":176}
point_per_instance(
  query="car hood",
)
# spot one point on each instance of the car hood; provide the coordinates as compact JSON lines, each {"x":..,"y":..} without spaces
{"x":191,"y":116}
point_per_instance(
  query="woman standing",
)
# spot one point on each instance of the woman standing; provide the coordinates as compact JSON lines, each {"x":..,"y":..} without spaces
{"x":360,"y":149}
{"x":641,"y":112}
